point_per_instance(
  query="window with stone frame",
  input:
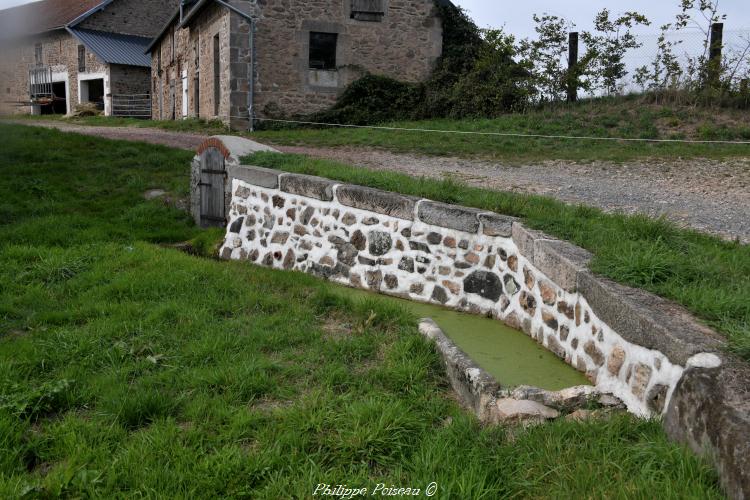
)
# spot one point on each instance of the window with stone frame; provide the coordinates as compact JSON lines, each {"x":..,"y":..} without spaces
{"x":81,"y":59}
{"x":368,"y":10}
{"x":323,"y":50}
{"x":38,"y":54}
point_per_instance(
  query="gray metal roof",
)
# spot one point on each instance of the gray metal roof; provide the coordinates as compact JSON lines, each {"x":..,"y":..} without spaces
{"x":113,"y":48}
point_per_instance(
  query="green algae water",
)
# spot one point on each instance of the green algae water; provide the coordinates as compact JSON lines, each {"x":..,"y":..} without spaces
{"x":509,"y":355}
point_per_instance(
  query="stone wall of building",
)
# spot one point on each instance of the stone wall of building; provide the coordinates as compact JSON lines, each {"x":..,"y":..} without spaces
{"x":473,"y":261}
{"x":132,"y":17}
{"x":167,"y":71}
{"x":129,"y":79}
{"x":404,"y":45}
{"x":59,"y":51}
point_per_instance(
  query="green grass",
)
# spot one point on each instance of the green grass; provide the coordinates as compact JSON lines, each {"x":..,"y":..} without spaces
{"x":128,"y":369}
{"x":709,"y":276}
{"x":626,"y":117}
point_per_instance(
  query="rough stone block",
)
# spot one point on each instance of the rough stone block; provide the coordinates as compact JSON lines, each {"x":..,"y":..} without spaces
{"x":484,"y":283}
{"x":375,"y":200}
{"x":257,"y":176}
{"x":497,"y":225}
{"x":449,"y":216}
{"x":514,"y":410}
{"x":647,"y":320}
{"x":561,"y":261}
{"x":525,"y":239}
{"x":710,"y":412}
{"x":307,"y":185}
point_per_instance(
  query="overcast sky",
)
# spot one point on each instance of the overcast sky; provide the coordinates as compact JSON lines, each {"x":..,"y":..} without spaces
{"x":515,"y":16}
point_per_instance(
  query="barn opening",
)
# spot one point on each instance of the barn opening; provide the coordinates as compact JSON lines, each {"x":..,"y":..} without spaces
{"x":93,"y":91}
{"x":59,"y":105}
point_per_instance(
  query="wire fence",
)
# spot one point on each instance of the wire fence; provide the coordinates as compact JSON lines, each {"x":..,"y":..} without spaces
{"x":689,"y":47}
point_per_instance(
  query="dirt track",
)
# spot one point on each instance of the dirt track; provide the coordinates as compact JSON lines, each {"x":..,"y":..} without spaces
{"x":707,"y":195}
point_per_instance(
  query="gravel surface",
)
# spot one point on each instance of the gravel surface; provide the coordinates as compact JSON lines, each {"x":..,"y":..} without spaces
{"x":707,"y":195}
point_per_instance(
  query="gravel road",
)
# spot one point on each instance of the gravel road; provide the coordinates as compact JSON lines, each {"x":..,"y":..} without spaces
{"x":707,"y":195}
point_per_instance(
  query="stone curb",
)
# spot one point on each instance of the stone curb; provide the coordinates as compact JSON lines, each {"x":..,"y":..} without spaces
{"x":525,"y":239}
{"x":309,"y":186}
{"x":647,"y":320}
{"x":375,"y":200}
{"x":561,"y":262}
{"x":497,"y":225}
{"x":476,"y":388}
{"x":257,"y":176}
{"x":449,"y":216}
{"x":710,"y":412}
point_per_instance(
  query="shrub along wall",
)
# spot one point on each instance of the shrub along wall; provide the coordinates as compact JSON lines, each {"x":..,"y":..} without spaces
{"x":648,"y":351}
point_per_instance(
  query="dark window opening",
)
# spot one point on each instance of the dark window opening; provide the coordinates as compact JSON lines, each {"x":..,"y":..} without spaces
{"x":81,"y":59}
{"x":197,"y":97}
{"x":38,"y":54}
{"x":323,"y":50}
{"x":368,"y":10}
{"x":7,"y":90}
{"x":217,"y":76}
{"x":174,"y":46}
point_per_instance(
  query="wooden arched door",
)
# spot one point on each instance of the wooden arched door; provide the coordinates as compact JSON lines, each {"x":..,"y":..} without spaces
{"x":213,"y":179}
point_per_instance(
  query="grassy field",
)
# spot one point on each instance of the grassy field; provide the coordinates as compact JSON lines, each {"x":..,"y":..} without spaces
{"x":627,"y":117}
{"x":709,"y":276}
{"x":128,"y":369}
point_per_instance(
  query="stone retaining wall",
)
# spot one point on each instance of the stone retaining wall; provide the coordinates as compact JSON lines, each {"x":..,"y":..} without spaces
{"x":649,"y":352}
{"x":462,"y":258}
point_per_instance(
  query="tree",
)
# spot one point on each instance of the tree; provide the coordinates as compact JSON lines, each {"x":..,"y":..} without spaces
{"x":606,"y":48}
{"x":665,"y":71}
{"x":545,"y":56}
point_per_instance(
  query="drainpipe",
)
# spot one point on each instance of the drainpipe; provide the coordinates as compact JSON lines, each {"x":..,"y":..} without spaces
{"x":251,"y":71}
{"x":251,"y":92}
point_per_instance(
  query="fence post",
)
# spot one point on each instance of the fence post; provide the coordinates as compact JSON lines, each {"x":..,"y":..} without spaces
{"x":714,"y":54}
{"x":573,"y":66}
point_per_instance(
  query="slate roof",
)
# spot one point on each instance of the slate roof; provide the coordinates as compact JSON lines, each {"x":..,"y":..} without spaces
{"x":114,"y":48}
{"x":42,"y":16}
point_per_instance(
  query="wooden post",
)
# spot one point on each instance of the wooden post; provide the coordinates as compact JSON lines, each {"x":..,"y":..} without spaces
{"x":714,"y":54}
{"x":573,"y":67}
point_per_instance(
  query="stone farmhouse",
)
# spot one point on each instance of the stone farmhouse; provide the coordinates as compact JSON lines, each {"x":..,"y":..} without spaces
{"x":233,"y":59}
{"x":55,"y":54}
